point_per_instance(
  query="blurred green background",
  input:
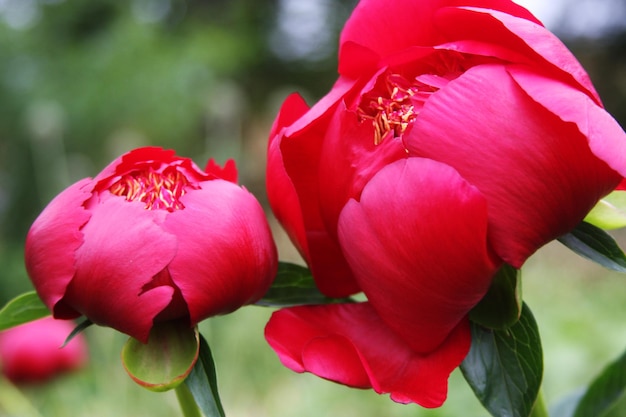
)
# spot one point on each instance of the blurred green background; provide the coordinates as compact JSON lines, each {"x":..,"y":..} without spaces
{"x":83,"y":81}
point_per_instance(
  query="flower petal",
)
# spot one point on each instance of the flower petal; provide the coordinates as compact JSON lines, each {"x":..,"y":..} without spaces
{"x":291,"y":110}
{"x":368,"y":26}
{"x":350,"y":344}
{"x":417,"y":243}
{"x":150,"y":158}
{"x":293,"y":163}
{"x":538,"y":174}
{"x":606,"y":137}
{"x":350,"y":158}
{"x":226,"y":256}
{"x":370,"y":21}
{"x":322,"y":110}
{"x":126,"y":162}
{"x":516,"y":34}
{"x":281,"y":193}
{"x":51,"y":243}
{"x":228,"y":172}
{"x":301,"y":154}
{"x":111,"y":271}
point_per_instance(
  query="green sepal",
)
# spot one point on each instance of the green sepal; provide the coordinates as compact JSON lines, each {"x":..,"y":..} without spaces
{"x":294,"y":285}
{"x":504,"y":368}
{"x":166,"y":360}
{"x":22,"y":309}
{"x":77,"y":330}
{"x":610,"y":212}
{"x":202,"y":382}
{"x":502,"y":305}
{"x":596,"y":245}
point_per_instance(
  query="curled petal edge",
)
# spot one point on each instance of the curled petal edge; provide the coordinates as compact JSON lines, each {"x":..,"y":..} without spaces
{"x":351,"y":345}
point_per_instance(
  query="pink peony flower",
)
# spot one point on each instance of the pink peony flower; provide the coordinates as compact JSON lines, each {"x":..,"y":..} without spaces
{"x":151,"y":238}
{"x":459,"y":136}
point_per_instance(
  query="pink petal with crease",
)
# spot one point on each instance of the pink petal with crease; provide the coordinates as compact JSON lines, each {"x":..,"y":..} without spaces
{"x":520,"y":35}
{"x":301,"y":154}
{"x":111,"y":272}
{"x":606,"y":137}
{"x":538,"y":174}
{"x":51,"y":244}
{"x":417,"y":243}
{"x":413,"y":23}
{"x":349,"y":159}
{"x":351,"y":345}
{"x":226,"y":256}
{"x":281,"y":192}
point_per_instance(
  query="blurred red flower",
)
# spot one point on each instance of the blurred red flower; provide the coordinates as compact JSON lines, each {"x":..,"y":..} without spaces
{"x":151,"y":238}
{"x":32,"y":352}
{"x":460,"y":135}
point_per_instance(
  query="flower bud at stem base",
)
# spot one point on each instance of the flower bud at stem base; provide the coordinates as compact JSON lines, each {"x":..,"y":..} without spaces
{"x":165,"y":361}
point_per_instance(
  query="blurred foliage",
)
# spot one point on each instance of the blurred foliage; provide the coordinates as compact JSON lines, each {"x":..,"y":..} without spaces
{"x":605,"y":61}
{"x":86,"y":81}
{"x":82,"y":82}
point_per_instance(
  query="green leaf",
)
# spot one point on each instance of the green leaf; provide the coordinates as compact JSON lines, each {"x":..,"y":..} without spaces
{"x":294,"y":285}
{"x":202,"y":382}
{"x":596,"y":245}
{"x":504,"y":367}
{"x":165,"y":361}
{"x":502,"y":305}
{"x":22,"y":309}
{"x":605,"y":391}
{"x":78,"y":329}
{"x":610,"y":212}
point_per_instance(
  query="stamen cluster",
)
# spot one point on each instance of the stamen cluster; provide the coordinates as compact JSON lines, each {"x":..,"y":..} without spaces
{"x":393,"y":110}
{"x":158,"y":190}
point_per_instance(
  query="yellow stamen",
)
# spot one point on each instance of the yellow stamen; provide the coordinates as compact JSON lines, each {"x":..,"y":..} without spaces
{"x":158,"y":190}
{"x":394,"y":106}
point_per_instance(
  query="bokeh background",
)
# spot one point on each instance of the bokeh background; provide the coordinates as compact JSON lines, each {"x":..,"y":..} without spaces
{"x":83,"y":81}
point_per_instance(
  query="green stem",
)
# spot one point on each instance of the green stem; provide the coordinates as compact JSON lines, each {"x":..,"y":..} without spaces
{"x":539,"y":409}
{"x":13,"y":402}
{"x":187,"y":402}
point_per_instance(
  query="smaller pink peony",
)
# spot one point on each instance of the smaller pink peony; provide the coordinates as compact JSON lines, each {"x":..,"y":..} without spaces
{"x":151,"y":238}
{"x":32,"y":352}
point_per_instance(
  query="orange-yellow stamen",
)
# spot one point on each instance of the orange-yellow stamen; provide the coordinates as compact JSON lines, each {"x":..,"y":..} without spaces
{"x":158,"y":190}
{"x":394,"y":110}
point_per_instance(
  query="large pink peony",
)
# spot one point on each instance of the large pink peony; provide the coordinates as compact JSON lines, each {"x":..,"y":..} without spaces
{"x":460,"y":135}
{"x":151,"y":238}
